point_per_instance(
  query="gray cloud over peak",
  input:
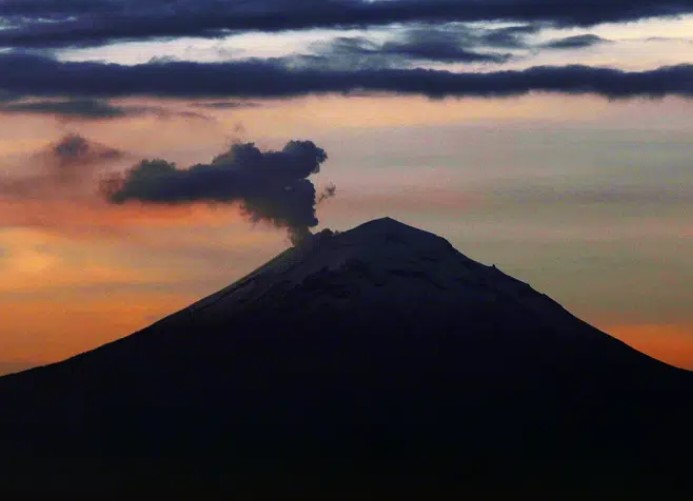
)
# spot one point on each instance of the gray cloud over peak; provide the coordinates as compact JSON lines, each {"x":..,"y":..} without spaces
{"x":270,"y":186}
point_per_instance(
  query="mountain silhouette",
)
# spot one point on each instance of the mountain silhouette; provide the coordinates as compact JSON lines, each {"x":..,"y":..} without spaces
{"x":380,"y":355}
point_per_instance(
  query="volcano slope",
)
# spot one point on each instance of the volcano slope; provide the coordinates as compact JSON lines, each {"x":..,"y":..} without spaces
{"x":380,"y":355}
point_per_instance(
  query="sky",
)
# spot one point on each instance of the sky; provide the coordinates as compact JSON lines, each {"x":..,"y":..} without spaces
{"x":152,"y":152}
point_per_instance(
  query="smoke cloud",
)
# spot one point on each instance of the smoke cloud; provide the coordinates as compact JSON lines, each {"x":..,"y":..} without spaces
{"x":75,"y":150}
{"x":64,"y":169}
{"x":271,"y":186}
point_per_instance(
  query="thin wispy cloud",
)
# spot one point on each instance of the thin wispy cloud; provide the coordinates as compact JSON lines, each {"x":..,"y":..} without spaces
{"x":459,"y":45}
{"x":66,"y":169}
{"x":86,"y":109}
{"x":91,"y":109}
{"x":449,"y":44}
{"x":576,"y":42}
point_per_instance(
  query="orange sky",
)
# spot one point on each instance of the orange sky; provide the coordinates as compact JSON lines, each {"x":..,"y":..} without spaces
{"x":510,"y":182}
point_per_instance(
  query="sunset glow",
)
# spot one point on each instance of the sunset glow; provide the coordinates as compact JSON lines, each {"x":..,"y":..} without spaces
{"x":585,"y":193}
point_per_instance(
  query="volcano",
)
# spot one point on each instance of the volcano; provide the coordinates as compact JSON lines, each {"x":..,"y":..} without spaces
{"x":380,"y":355}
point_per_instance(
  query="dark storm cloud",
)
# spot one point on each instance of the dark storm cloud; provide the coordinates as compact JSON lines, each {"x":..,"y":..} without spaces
{"x":576,"y":42}
{"x":270,"y":186}
{"x":93,"y":22}
{"x":251,"y":79}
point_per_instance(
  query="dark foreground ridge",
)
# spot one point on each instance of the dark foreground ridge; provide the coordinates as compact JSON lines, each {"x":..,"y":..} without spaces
{"x":375,"y":358}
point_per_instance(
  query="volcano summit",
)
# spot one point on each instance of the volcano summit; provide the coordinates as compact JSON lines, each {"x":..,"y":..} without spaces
{"x":380,"y":354}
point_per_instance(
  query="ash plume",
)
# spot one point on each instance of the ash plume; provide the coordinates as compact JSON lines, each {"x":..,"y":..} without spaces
{"x":270,"y":186}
